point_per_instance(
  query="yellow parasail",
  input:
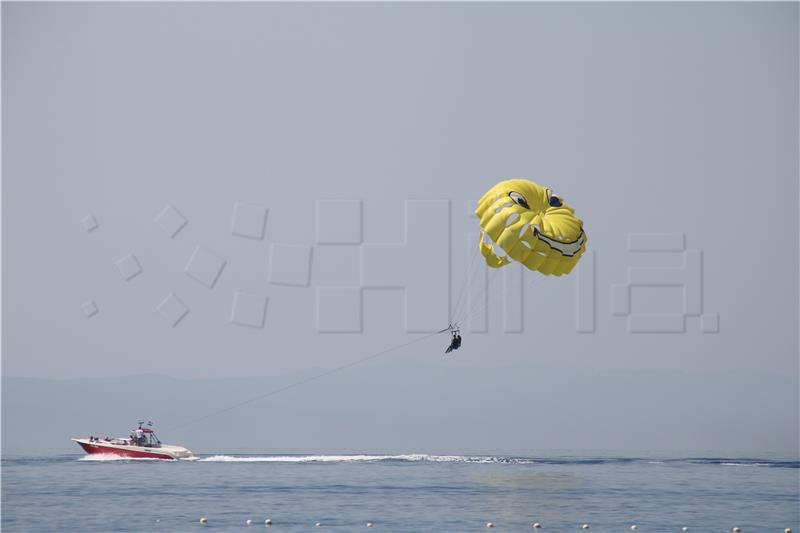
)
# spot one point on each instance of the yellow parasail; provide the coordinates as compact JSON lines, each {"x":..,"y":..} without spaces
{"x":529,"y":225}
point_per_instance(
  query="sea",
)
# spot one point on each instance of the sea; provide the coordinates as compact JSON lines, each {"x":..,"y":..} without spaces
{"x":401,"y":493}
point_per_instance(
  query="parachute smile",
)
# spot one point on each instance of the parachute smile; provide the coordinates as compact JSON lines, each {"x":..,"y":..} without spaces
{"x":566,"y":248}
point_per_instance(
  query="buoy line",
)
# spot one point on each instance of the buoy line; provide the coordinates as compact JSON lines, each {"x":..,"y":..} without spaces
{"x":307,"y":380}
{"x":535,"y":525}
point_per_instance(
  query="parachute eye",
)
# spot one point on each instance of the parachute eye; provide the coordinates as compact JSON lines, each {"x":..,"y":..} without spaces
{"x":554,"y":201}
{"x":519,"y":199}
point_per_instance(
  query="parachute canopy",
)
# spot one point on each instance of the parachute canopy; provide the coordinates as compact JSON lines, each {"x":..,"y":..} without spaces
{"x":524,"y":222}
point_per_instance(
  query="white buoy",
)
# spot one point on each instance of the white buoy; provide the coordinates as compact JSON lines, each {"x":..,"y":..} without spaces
{"x":684,"y":528}
{"x":317,"y":524}
{"x":203,"y":520}
{"x":248,"y":522}
{"x":634,"y":527}
{"x":536,"y":525}
{"x":268,"y":521}
{"x":787,"y":530}
{"x":369,"y":524}
{"x":585,"y":526}
{"x":489,"y":524}
{"x":736,"y":530}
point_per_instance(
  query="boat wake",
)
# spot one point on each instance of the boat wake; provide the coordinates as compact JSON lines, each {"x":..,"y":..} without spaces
{"x":487,"y":459}
{"x":408,"y":458}
{"x":464,"y":459}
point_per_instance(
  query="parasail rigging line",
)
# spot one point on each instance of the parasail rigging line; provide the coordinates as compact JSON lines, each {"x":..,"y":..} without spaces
{"x":306,"y":380}
{"x":480,"y":298}
{"x":467,"y":276}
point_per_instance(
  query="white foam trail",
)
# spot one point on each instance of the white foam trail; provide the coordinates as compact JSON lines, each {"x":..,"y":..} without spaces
{"x":417,"y":457}
{"x":289,"y":458}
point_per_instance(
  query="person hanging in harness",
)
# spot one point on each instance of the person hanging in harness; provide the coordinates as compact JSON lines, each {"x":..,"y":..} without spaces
{"x":455,"y":342}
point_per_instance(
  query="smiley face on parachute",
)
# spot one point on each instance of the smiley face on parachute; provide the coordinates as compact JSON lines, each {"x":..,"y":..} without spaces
{"x":524,"y":222}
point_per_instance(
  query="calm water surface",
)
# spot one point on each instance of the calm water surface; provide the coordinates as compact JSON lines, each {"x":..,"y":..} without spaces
{"x":399,"y":493}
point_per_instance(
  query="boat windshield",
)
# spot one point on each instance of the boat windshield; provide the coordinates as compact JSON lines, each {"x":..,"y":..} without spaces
{"x":140,"y":437}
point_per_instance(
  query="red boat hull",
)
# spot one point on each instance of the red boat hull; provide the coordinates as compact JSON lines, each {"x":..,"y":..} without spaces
{"x":122,"y":452}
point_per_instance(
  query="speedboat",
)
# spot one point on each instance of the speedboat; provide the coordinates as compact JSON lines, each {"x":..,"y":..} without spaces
{"x":141,"y":444}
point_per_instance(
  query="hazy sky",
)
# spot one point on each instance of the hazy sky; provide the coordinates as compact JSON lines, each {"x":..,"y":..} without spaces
{"x":205,"y":190}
